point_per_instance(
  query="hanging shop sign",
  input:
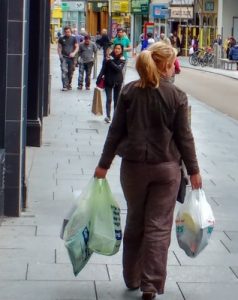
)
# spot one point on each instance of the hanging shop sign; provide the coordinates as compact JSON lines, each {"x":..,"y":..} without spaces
{"x":73,"y":6}
{"x":160,"y":11}
{"x":181,"y":2}
{"x":99,"y":6}
{"x":139,"y":6}
{"x":209,"y":6}
{"x":120,"y":6}
{"x":181,"y":12}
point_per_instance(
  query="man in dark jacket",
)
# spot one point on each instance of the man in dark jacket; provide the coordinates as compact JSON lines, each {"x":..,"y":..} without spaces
{"x":104,"y":42}
{"x":233,"y":53}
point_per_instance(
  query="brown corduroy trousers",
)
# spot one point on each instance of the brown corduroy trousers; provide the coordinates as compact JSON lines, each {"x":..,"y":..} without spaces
{"x":150,"y":191}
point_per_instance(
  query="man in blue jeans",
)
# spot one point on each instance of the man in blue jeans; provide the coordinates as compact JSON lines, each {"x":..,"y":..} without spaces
{"x":87,"y":55}
{"x":67,"y":49}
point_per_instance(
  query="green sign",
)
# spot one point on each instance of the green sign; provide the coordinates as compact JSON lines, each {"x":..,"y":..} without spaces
{"x":139,"y":6}
{"x":144,"y":8}
{"x":65,"y":6}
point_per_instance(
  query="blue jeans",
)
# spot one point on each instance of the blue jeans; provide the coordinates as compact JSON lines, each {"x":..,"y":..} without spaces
{"x":67,"y":69}
{"x":87,"y":67}
{"x":116,"y":91}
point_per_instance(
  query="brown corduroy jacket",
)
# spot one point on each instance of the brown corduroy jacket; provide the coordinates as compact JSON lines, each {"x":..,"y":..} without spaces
{"x":151,"y":125}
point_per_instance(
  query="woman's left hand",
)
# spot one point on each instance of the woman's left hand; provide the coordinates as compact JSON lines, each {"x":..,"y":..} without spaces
{"x":100,"y":172}
{"x":196,"y":181}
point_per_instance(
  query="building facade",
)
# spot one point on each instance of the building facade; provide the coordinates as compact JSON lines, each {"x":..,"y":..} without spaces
{"x":24,"y":101}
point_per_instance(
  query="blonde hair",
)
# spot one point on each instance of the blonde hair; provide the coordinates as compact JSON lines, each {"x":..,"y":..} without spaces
{"x":154,"y":62}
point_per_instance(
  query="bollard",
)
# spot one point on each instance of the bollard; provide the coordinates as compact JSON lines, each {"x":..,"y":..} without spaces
{"x":95,"y":67}
{"x":218,"y":55}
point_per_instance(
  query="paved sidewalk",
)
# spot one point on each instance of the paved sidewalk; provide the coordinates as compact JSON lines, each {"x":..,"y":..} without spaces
{"x":34,"y":264}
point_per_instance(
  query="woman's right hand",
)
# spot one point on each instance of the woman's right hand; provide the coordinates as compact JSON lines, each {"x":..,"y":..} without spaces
{"x":196,"y":181}
{"x":100,"y":172}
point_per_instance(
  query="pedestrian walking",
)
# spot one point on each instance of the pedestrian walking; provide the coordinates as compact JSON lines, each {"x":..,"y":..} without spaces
{"x":111,"y":70}
{"x":148,"y":41}
{"x":87,"y":56}
{"x":122,"y":39}
{"x":150,"y":131}
{"x":104,"y":42}
{"x":233,"y":53}
{"x":67,"y":49}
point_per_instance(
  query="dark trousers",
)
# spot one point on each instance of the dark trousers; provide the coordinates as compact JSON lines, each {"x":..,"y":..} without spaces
{"x":151,"y":192}
{"x":87,"y":67}
{"x":67,"y":70}
{"x":116,"y":91}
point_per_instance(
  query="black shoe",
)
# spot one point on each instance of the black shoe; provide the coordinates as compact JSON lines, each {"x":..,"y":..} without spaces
{"x":148,"y":295}
{"x":69,"y":87}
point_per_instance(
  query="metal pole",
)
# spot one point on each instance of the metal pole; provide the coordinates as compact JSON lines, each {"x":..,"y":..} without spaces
{"x":95,"y":67}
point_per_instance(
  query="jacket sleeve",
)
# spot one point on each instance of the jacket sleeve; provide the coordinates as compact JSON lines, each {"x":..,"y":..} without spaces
{"x":117,"y":131}
{"x":184,"y":138}
{"x":117,"y":67}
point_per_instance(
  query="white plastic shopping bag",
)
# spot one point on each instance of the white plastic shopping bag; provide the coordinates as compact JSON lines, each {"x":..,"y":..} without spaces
{"x":194,"y":223}
{"x":77,"y":230}
{"x":105,"y":230}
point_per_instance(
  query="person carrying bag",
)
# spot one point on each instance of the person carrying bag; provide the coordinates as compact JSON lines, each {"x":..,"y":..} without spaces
{"x":111,"y":71}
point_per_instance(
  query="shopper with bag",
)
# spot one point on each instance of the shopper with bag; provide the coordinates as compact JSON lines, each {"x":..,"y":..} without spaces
{"x":111,"y":71}
{"x":150,"y":131}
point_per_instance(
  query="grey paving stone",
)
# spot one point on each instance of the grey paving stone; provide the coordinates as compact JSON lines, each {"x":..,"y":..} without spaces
{"x":23,"y":255}
{"x":14,"y":230}
{"x":13,"y":271}
{"x":232,"y":246}
{"x":201,"y":274}
{"x":209,"y":291}
{"x":116,"y":290}
{"x":232,"y":235}
{"x":65,"y":272}
{"x":235,"y":270}
{"x":47,"y":290}
{"x":207,"y":259}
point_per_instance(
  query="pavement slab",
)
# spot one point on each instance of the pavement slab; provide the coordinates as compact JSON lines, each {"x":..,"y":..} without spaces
{"x":33,"y":259}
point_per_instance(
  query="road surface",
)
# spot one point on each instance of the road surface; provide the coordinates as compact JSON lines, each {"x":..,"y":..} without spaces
{"x":215,"y":90}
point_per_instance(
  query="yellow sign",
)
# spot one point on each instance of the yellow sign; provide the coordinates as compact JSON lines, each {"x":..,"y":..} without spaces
{"x":120,"y":6}
{"x":57,"y":13}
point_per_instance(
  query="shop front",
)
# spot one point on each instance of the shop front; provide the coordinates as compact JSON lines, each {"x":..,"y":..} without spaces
{"x":159,"y":13}
{"x":139,"y":16}
{"x":73,"y":14}
{"x":120,"y":17}
{"x":97,"y":16}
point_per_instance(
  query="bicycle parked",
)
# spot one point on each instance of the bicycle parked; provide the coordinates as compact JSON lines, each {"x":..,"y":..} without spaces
{"x":204,"y":57}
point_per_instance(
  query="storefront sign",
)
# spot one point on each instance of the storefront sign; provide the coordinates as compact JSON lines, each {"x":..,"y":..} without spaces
{"x":209,"y":6}
{"x":99,"y":6}
{"x":139,"y":6}
{"x":160,"y":11}
{"x":120,"y":6}
{"x":182,"y":2}
{"x":181,"y":12}
{"x":73,"y":6}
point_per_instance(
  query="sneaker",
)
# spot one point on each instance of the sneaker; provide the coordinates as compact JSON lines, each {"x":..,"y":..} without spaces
{"x":64,"y":89}
{"x":69,"y":87}
{"x":107,"y":120}
{"x":87,"y":87}
{"x":80,"y":87}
